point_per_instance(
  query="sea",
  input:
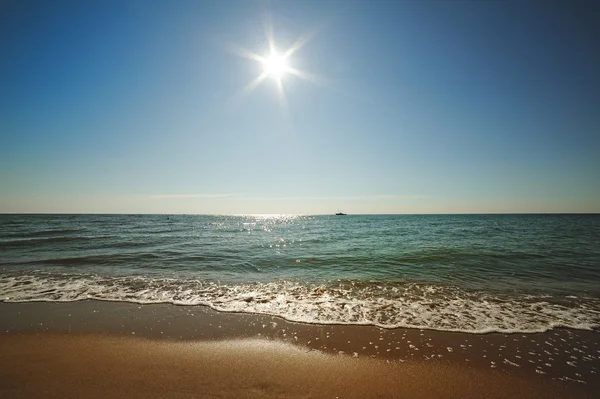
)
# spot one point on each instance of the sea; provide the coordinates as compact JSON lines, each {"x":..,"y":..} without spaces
{"x":468,"y":273}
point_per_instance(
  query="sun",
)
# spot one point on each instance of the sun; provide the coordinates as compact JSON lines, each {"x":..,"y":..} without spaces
{"x":275,"y":65}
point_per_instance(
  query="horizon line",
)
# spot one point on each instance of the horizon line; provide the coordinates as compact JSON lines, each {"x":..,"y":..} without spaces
{"x":298,"y":214}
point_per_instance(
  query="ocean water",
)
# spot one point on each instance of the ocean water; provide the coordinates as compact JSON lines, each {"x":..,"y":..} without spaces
{"x":470,"y":273}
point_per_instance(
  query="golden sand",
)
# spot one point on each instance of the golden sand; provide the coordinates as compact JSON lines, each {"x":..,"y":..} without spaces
{"x":99,"y":366}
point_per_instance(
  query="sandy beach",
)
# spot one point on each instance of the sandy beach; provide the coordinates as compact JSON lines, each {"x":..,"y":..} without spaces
{"x":103,"y":349}
{"x":61,"y":366}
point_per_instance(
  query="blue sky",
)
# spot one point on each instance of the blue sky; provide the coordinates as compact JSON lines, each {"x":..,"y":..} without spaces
{"x":415,"y":107}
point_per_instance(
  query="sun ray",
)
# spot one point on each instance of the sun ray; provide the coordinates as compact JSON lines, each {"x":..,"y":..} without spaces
{"x":254,"y":84}
{"x":280,"y":92}
{"x":324,"y":82}
{"x":268,"y":26}
{"x":310,"y":77}
{"x":282,"y":99}
{"x":240,"y":95}
{"x":242,"y":52}
{"x":301,"y":41}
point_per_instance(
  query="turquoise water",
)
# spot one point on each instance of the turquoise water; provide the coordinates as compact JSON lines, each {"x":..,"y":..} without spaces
{"x":473,"y":273}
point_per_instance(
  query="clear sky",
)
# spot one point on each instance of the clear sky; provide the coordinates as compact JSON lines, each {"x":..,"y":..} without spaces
{"x":387,"y":107}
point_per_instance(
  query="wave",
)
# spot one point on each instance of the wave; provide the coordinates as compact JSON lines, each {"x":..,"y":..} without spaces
{"x":26,"y":242}
{"x":49,"y":232}
{"x":164,"y":261}
{"x":386,"y":305}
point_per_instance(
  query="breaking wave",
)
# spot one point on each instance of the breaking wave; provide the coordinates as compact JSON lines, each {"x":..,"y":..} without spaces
{"x":386,"y":305}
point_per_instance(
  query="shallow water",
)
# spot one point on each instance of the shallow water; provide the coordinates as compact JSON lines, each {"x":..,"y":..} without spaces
{"x":472,"y":273}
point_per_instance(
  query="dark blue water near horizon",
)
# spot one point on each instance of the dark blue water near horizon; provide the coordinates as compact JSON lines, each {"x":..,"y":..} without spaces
{"x":473,"y":273}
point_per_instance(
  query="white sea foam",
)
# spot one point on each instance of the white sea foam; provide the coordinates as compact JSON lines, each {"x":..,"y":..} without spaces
{"x":383,"y":305}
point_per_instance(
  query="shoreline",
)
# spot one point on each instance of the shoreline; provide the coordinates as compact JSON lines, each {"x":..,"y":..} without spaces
{"x":568,"y":360}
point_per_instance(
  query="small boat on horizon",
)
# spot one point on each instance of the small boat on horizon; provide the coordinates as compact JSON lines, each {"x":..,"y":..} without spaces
{"x":340,"y":214}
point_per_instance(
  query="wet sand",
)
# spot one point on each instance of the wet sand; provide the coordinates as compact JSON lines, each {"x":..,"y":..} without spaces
{"x":100,"y":349}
